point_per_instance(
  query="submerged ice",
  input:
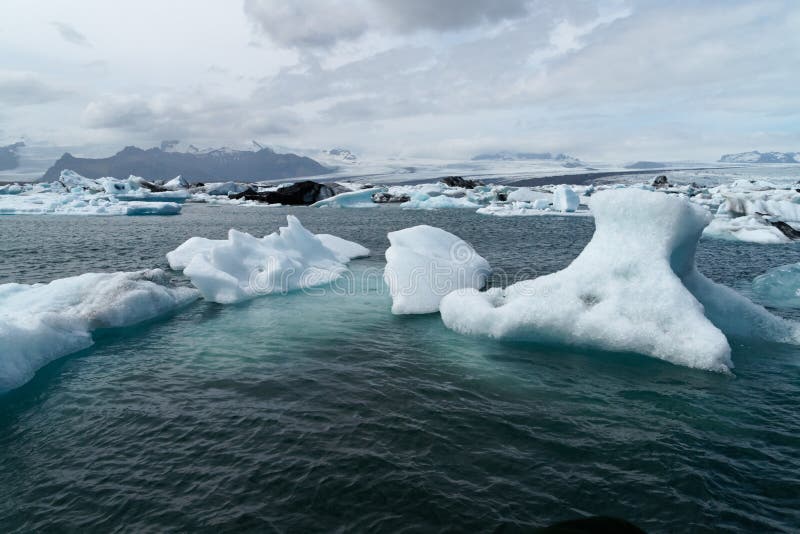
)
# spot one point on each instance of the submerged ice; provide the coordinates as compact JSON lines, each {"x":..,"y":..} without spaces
{"x":243,"y":266}
{"x":42,"y":322}
{"x":779,"y":287}
{"x":634,"y":288}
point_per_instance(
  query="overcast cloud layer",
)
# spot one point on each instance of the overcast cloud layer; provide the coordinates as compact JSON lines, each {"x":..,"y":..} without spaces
{"x":606,"y":80}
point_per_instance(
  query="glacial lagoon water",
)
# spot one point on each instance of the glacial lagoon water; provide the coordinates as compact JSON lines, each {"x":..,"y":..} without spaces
{"x":324,"y":412}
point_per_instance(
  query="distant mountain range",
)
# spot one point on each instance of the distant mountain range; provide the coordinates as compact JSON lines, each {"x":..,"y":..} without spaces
{"x":647,"y":165}
{"x":564,"y":159}
{"x":761,"y":157}
{"x":9,"y":159}
{"x":194,"y":165}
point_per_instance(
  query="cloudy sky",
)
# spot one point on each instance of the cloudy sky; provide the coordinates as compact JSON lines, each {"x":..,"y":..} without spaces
{"x":603,"y":80}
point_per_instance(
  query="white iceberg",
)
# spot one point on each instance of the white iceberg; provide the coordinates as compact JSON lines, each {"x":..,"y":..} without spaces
{"x":243,"y":266}
{"x":42,"y":322}
{"x":565,"y":199}
{"x":81,"y":203}
{"x":748,"y":229}
{"x":526,"y":194}
{"x":634,"y":288}
{"x":422,"y":201}
{"x":424,"y":263}
{"x":224,"y":188}
{"x":179,"y":182}
{"x":353,"y":199}
{"x":779,"y":287}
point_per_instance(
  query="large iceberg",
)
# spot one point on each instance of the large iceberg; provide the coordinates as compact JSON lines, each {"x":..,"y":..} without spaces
{"x":779,"y":287}
{"x":424,"y":263}
{"x":243,"y":266}
{"x":634,"y":288}
{"x":42,"y":322}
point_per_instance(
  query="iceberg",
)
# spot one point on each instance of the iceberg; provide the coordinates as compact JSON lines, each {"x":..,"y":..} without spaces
{"x":634,"y":288}
{"x":565,"y":199}
{"x":79,"y":203}
{"x":42,"y":322}
{"x":353,"y":199}
{"x":424,"y":263}
{"x":425,"y":202}
{"x":748,"y":229}
{"x":243,"y":266}
{"x":779,"y":287}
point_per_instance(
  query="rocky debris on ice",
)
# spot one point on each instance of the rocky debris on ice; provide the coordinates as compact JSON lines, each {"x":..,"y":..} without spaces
{"x":459,"y":181}
{"x":634,"y":288}
{"x":42,"y":322}
{"x":242,"y":266}
{"x":424,"y":263}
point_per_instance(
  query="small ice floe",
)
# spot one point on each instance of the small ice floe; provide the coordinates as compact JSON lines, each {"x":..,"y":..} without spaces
{"x":779,"y":287}
{"x":634,"y":288}
{"x":424,"y":263}
{"x":243,"y":266}
{"x":42,"y":322}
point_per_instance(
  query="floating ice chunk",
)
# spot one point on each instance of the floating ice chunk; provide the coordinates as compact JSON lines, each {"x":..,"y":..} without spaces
{"x":526,"y":194}
{"x":81,"y":204}
{"x":634,"y":288}
{"x":179,"y":182}
{"x":42,"y":322}
{"x":424,"y":263}
{"x":243,"y":267}
{"x":425,"y":202}
{"x":152,"y":208}
{"x":11,"y":189}
{"x":353,"y":199}
{"x":224,"y":189}
{"x":565,"y":199}
{"x":71,"y":179}
{"x":749,"y":229}
{"x":779,"y":287}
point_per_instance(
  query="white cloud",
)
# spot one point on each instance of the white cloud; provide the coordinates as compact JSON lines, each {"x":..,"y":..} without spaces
{"x":603,"y":79}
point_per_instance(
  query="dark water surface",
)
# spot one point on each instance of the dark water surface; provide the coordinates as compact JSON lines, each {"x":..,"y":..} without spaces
{"x":325,"y":412}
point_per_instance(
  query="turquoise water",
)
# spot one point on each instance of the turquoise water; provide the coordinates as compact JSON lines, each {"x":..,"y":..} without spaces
{"x":325,"y":412}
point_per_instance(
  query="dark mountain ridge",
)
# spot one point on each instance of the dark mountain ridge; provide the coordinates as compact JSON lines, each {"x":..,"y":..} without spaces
{"x":212,"y":166}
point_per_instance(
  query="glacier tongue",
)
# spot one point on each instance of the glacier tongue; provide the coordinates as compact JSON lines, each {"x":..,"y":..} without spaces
{"x":634,"y":288}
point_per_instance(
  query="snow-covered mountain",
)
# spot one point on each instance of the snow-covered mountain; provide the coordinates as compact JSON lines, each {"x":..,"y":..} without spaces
{"x":342,"y":154}
{"x":755,"y":156}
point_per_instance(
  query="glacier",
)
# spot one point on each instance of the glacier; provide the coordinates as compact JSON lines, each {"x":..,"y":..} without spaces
{"x":42,"y":322}
{"x":634,"y":288}
{"x":425,"y":263}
